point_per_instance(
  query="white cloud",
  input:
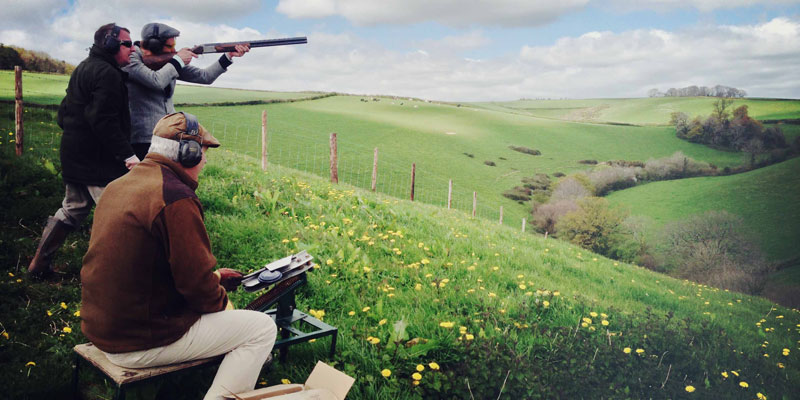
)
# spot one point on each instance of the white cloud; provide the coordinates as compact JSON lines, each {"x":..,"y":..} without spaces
{"x":459,"y":13}
{"x":29,"y":12}
{"x":702,"y":5}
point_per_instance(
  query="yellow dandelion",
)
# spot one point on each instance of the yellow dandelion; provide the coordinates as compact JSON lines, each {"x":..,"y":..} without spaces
{"x":446,"y":324}
{"x":365,"y":309}
{"x":587,"y":320}
{"x":416,"y":383}
{"x":434,"y":366}
{"x":351,"y":313}
{"x":735,"y":373}
{"x":329,"y":262}
{"x":425,"y":261}
{"x":49,"y":313}
{"x":374,"y":340}
{"x":417,"y":376}
{"x":785,"y":352}
{"x":639,"y":351}
{"x":760,"y":396}
{"x":30,"y":364}
{"x":556,"y":293}
{"x":285,"y":381}
{"x":63,"y":305}
{"x":386,"y":373}
{"x":725,"y":374}
{"x":690,"y":388}
{"x":744,"y":384}
{"x":6,"y":335}
{"x":604,"y":322}
{"x":522,"y":286}
{"x":546,"y":304}
{"x":285,"y":241}
{"x":470,"y":336}
{"x":77,"y":313}
{"x":382,"y":322}
{"x":781,"y":366}
{"x":584,"y":324}
{"x":420,"y":368}
{"x":67,"y":329}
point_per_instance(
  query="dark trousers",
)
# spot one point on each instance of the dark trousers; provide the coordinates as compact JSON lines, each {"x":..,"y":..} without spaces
{"x":140,"y":149}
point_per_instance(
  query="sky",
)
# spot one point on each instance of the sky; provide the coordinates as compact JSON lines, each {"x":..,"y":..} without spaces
{"x":456,"y":50}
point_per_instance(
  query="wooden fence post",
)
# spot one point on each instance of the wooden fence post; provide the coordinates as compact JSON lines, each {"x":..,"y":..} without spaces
{"x":501,"y":215}
{"x":449,"y":194}
{"x":523,"y":225}
{"x":413,"y":178}
{"x":375,"y":170}
{"x":20,"y":137}
{"x":474,"y":203}
{"x":334,"y":160}
{"x":264,"y":140}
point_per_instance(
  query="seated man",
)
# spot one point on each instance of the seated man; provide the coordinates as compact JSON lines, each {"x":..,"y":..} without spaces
{"x":150,"y":295}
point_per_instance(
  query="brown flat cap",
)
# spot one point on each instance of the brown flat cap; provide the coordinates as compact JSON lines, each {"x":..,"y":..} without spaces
{"x":173,"y":127}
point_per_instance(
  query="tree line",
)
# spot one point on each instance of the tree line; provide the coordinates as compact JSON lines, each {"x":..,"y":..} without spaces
{"x":29,"y":60}
{"x":697,"y":91}
{"x":731,"y":132}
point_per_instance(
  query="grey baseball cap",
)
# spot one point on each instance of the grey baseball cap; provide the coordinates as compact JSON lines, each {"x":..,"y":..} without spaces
{"x":159,"y":30}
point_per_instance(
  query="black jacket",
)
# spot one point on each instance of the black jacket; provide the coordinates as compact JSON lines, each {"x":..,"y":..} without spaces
{"x":96,"y":122}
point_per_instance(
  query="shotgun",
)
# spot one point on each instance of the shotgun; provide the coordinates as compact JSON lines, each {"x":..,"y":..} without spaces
{"x":156,"y":61}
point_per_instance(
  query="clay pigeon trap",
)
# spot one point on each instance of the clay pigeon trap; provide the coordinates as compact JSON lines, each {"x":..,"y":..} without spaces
{"x":285,"y":276}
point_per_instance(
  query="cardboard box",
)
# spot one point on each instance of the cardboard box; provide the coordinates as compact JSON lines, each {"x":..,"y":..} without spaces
{"x":324,"y":383}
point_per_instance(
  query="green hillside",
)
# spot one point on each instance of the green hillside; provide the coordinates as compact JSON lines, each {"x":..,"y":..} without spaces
{"x":438,"y":138}
{"x":642,"y":111}
{"x":410,"y":284}
{"x":768,"y":199}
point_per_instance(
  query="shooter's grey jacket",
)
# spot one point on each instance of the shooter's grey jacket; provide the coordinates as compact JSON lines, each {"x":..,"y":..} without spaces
{"x":150,"y":92}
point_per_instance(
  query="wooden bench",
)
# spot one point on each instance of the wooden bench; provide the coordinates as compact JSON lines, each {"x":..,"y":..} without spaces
{"x":124,"y":376}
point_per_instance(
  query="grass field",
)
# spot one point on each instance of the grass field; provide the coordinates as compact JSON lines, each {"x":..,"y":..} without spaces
{"x":642,"y":111}
{"x":436,"y":137}
{"x":768,"y":199}
{"x":409,"y":285}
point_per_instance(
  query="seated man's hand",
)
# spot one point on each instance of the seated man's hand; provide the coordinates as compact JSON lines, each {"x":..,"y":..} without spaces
{"x":230,"y":279}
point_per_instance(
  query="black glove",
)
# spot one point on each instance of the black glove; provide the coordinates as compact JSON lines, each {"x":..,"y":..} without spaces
{"x":230,"y":279}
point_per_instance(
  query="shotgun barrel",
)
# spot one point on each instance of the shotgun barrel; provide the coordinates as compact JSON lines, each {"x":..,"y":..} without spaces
{"x":231,"y":46}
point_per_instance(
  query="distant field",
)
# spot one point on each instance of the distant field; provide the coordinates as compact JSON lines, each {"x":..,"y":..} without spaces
{"x":641,"y":111}
{"x":768,"y":199}
{"x":50,"y":89}
{"x":436,"y":138}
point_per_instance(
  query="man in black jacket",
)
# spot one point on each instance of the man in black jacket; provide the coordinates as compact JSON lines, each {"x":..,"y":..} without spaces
{"x":95,"y":146}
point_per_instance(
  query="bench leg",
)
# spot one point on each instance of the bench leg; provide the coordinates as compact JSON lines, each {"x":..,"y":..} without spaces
{"x":333,"y":344}
{"x":75,"y":373}
{"x":119,"y":394}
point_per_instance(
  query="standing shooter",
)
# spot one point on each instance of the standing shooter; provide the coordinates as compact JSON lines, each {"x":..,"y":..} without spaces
{"x":153,"y":71}
{"x":95,"y":146}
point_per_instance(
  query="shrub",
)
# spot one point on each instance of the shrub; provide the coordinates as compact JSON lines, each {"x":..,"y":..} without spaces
{"x":589,"y":162}
{"x":608,"y":179}
{"x":675,"y":166}
{"x":572,"y":188}
{"x":525,"y":150}
{"x":546,"y":216}
{"x":469,"y":155}
{"x":490,"y":163}
{"x":714,"y":248}
{"x":594,"y":225}
{"x":518,"y":194}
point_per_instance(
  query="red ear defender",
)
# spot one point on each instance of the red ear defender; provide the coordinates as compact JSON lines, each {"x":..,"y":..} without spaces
{"x":190,"y":151}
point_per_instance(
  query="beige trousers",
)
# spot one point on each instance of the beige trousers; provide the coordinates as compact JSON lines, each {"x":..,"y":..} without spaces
{"x":246,"y":336}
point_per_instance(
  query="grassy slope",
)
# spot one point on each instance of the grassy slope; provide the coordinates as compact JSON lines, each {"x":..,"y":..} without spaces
{"x":768,"y":199}
{"x":299,"y":137}
{"x":496,"y":278}
{"x":644,"y":111}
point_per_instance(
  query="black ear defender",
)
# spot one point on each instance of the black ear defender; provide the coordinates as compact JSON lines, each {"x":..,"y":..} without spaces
{"x":111,"y":40}
{"x":190,"y":152}
{"x":154,"y":42}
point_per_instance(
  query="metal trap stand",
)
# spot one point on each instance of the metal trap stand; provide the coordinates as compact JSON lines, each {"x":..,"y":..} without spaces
{"x":286,"y":315}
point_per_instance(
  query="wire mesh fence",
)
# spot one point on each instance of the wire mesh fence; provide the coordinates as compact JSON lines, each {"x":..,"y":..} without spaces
{"x":305,"y":153}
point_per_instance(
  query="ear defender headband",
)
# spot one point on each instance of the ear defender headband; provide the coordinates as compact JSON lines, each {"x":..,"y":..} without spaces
{"x":111,"y":40}
{"x":154,"y":42}
{"x":190,"y":151}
